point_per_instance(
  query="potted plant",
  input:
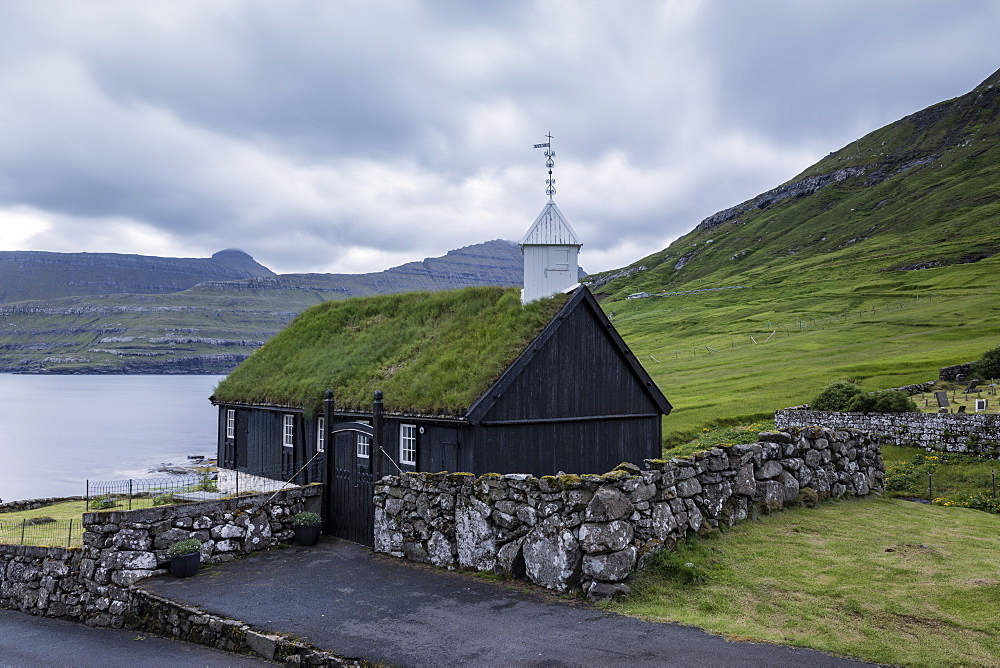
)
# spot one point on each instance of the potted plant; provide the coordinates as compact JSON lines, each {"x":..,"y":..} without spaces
{"x":307,"y":527}
{"x":185,"y":555}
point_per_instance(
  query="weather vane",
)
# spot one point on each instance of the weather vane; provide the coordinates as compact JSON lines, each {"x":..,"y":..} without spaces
{"x":550,"y":183}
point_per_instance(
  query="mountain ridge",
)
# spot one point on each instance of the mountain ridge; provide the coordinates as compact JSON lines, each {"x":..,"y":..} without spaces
{"x":920,"y":192}
{"x":212,"y":326}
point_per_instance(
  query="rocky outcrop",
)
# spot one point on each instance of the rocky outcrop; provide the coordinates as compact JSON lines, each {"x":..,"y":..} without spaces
{"x":798,"y":189}
{"x":591,"y":532}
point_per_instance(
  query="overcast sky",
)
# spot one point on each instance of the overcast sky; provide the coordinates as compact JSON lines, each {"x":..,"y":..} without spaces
{"x":341,"y":136}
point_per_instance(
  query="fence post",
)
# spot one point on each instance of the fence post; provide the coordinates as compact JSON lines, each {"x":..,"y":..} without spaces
{"x":994,"y":476}
{"x":86,"y":496}
{"x":69,"y":536}
{"x":24,"y":523}
{"x":930,"y":486}
{"x":237,"y":482}
{"x":130,"y":493}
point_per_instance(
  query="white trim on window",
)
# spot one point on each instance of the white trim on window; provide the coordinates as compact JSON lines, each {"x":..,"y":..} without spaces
{"x":364,"y":446}
{"x":408,"y":444}
{"x":230,"y":423}
{"x":288,"y":433}
{"x":321,"y":435}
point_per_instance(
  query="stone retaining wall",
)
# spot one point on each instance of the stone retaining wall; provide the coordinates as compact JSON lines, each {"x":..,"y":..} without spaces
{"x":975,"y":433}
{"x":93,"y":584}
{"x":34,"y":504}
{"x":953,"y":372}
{"x":592,"y":531}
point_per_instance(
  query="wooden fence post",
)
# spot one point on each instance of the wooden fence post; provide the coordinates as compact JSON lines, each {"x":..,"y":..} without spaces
{"x":377,"y":414}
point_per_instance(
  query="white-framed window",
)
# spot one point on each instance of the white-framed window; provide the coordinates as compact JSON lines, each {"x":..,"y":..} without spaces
{"x":288,"y":438}
{"x":408,"y":444}
{"x":321,"y":435}
{"x":230,"y":423}
{"x":364,"y":442}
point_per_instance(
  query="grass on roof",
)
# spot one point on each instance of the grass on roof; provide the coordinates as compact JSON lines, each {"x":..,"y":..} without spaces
{"x":429,"y":353}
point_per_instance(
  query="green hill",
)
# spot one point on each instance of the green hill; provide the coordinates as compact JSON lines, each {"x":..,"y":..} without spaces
{"x":878,"y":263}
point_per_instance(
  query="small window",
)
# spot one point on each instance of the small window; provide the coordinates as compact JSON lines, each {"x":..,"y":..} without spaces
{"x":230,"y":423}
{"x":289,"y":432}
{"x":364,"y":446}
{"x":408,"y":444}
{"x":321,"y":435}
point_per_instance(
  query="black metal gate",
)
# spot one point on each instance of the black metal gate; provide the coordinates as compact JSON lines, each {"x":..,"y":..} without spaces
{"x":349,"y":492}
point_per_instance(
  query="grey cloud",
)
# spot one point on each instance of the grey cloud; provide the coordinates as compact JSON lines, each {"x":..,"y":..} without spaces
{"x":309,"y":133}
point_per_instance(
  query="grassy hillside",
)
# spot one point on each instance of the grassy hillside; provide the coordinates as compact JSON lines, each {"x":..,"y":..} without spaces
{"x":879,"y":263}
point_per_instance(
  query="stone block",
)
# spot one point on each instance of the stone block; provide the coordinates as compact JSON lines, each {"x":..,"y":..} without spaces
{"x":688,"y":487}
{"x":227,"y":531}
{"x":552,"y":555}
{"x":610,"y":567}
{"x":664,"y":521}
{"x":604,"y":537}
{"x":769,"y":470}
{"x":607,"y":504}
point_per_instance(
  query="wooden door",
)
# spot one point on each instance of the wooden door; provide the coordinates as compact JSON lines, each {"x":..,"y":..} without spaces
{"x":350,"y":498}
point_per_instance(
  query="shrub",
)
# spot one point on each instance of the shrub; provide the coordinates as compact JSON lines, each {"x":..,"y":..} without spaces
{"x":910,"y":476}
{"x":206,"y":483}
{"x":888,"y":401}
{"x":306,"y":519}
{"x":103,"y":502}
{"x":835,"y":396}
{"x":165,"y":499}
{"x":182,"y":547}
{"x":989,"y":365}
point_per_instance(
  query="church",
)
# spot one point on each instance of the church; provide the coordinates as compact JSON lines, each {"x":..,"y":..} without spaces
{"x":476,"y":380}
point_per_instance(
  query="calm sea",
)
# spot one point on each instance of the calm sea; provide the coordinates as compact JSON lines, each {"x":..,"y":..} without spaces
{"x":58,"y":431}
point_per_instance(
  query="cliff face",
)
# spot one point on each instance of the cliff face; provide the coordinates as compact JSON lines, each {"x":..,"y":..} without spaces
{"x":28,"y":275}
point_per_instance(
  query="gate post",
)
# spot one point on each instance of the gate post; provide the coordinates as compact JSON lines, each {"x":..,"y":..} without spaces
{"x":377,"y":437}
{"x":327,"y":461}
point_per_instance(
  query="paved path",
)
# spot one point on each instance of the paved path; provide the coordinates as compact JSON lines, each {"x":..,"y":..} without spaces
{"x":341,"y":597}
{"x":26,"y":640}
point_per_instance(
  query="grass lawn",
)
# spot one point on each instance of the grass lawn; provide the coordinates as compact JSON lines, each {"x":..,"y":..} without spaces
{"x":882,"y":580}
{"x":59,"y":532}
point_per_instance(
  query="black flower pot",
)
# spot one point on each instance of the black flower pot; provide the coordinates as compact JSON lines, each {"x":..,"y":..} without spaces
{"x":307,"y":535}
{"x":185,"y":565}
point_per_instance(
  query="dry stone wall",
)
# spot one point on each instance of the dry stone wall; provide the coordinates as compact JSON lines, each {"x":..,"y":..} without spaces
{"x":93,"y":584}
{"x":592,"y":531}
{"x":974,"y":433}
{"x":953,"y":372}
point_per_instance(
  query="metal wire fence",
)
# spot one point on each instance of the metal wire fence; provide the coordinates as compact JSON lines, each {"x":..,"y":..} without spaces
{"x":41,"y":531}
{"x":215,"y":484}
{"x":135,"y":493}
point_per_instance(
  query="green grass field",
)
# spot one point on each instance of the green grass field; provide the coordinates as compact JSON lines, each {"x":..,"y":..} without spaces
{"x":882,"y":330}
{"x":883,"y":580}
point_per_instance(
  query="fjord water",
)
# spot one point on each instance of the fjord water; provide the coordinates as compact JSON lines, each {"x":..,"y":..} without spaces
{"x":56,"y":432}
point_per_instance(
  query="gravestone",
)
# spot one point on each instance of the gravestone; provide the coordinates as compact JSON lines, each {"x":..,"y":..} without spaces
{"x":982,"y":405}
{"x":942,"y":399}
{"x":971,"y":387}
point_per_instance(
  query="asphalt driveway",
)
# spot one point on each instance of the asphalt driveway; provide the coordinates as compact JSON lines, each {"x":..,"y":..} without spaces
{"x":341,"y":597}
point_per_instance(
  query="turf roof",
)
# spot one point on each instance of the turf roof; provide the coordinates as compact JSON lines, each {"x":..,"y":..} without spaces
{"x":430,"y":353}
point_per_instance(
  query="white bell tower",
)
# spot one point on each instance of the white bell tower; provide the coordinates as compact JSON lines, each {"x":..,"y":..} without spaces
{"x":550,"y":247}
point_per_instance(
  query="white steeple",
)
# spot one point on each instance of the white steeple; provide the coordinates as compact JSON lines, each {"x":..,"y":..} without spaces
{"x":550,"y":247}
